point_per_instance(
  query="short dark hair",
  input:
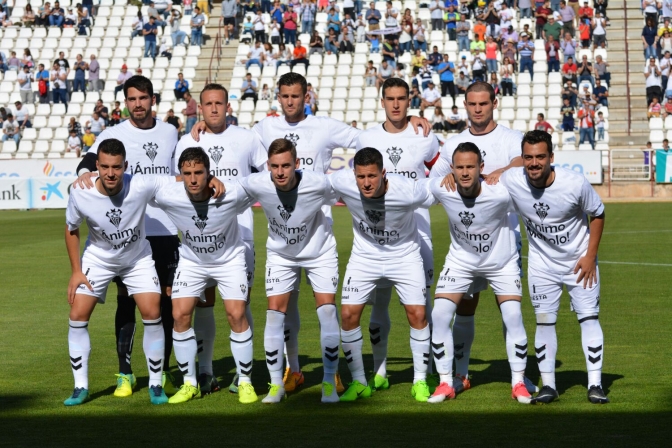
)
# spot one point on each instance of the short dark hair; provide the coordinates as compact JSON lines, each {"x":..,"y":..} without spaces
{"x":281,"y":146}
{"x":112,"y":147}
{"x":480,"y":86}
{"x":540,"y":115}
{"x":194,"y":154}
{"x":368,"y":156}
{"x":395,"y":82}
{"x":468,"y":147}
{"x":215,"y":87}
{"x":536,"y":136}
{"x":140,"y":83}
{"x":290,"y":79}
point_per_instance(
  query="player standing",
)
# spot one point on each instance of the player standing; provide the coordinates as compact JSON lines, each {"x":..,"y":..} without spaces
{"x":114,"y":211}
{"x":299,"y":237}
{"x":386,"y":249}
{"x":150,"y":145}
{"x":212,"y":250}
{"x":555,"y":204}
{"x":408,"y":154}
{"x":233,"y":153}
{"x":482,"y":244}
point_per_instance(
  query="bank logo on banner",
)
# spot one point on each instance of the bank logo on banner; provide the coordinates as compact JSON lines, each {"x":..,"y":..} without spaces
{"x":51,"y":189}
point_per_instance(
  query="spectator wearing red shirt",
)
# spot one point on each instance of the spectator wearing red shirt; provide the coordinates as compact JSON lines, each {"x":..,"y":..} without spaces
{"x":552,"y":55}
{"x":585,"y":11}
{"x":299,"y":56}
{"x":289,"y":19}
{"x":584,"y":33}
{"x":569,"y":70}
{"x":542,"y":14}
{"x":668,"y":108}
{"x":586,"y":125}
{"x":542,"y":125}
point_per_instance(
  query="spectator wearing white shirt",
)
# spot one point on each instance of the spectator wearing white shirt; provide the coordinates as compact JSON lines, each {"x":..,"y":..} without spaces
{"x":455,"y":121}
{"x":96,"y":123}
{"x":255,"y":56}
{"x":431,"y":97}
{"x":25,"y":79}
{"x":74,"y":143}
{"x":259,"y":28}
{"x":505,"y":16}
{"x":436,"y":13}
{"x":22,"y":115}
{"x":138,"y":23}
{"x":10,"y":129}
{"x":653,"y":80}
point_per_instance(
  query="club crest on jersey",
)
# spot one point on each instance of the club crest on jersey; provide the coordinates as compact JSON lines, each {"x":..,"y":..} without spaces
{"x":518,"y":284}
{"x":114,"y":216}
{"x":294,"y":138}
{"x":542,"y":210}
{"x":151,"y":149}
{"x":243,"y":288}
{"x":285,"y":211}
{"x":156,"y":281}
{"x":467,"y":218}
{"x":216,"y":154}
{"x":200,"y":221}
{"x":373,"y":215}
{"x":334,"y":280}
{"x":395,"y":155}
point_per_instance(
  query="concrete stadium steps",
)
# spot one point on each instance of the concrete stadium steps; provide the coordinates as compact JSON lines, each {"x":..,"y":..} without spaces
{"x":225,"y":71}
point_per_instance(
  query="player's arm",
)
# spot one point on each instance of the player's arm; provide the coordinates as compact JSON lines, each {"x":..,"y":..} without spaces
{"x":77,"y":278}
{"x":591,"y":204}
{"x":493,"y":178}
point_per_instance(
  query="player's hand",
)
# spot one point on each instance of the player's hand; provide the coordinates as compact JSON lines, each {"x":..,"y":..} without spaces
{"x":418,"y":122}
{"x":217,"y":186}
{"x":449,"y":182}
{"x":197,"y":129}
{"x":493,"y":178}
{"x":588,"y":267}
{"x":84,"y":181}
{"x":76,"y":280}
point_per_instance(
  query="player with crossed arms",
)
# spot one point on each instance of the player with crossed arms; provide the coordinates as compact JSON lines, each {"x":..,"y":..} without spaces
{"x":114,"y":210}
{"x":483,"y":245}
{"x":555,"y":205}
{"x":299,"y":237}
{"x":386,"y":249}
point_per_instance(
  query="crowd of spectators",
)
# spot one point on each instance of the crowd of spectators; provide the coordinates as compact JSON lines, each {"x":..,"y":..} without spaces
{"x":657,"y":46}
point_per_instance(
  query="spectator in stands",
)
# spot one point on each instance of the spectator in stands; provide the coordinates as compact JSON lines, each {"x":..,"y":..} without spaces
{"x":10,"y":129}
{"x":331,"y":44}
{"x":552,"y":55}
{"x":165,"y":50}
{"x":138,"y":23}
{"x":74,"y":144}
{"x":494,"y":83}
{"x":102,"y":111}
{"x":249,"y":89}
{"x":174,"y":120}
{"x":163,"y":7}
{"x":58,"y":79}
{"x":73,"y":125}
{"x":388,"y":52}
{"x":542,"y":124}
{"x":425,"y":74}
{"x":600,"y":68}
{"x":438,"y":120}
{"x":462,"y":31}
{"x":431,"y":97}
{"x":667,"y":109}
{"x":464,"y":66}
{"x":284,"y":55}
{"x":384,"y":72}
{"x":254,"y":56}
{"x":81,"y":67}
{"x":491,"y":49}
{"x":653,"y":81}
{"x":551,"y":29}
{"x":542,"y":14}
{"x":149,"y":31}
{"x":391,"y":15}
{"x":13,"y":63}
{"x":436,"y":9}
{"x":228,"y":19}
{"x":197,"y":22}
{"x":415,"y":97}
{"x":177,"y":35}
{"x":450,"y":18}
{"x":22,"y":116}
{"x":95,"y":83}
{"x":525,"y":7}
{"x":650,"y":10}
{"x":28,"y":18}
{"x":601,"y":92}
{"x":477,"y":45}
{"x":308,"y":10}
{"x":273,"y":112}
{"x":600,"y":124}
{"x":259,"y":27}
{"x":57,"y":15}
{"x":584,"y":33}
{"x":479,"y":33}
{"x":42,"y":16}
{"x":25,"y":80}
{"x":505,"y":15}
{"x":569,"y":70}
{"x":191,"y":110}
{"x":96,"y":123}
{"x":567,"y":16}
{"x":599,"y":28}
{"x":124,"y":75}
{"x":83,"y":16}
{"x":65,"y":65}
{"x":349,"y":26}
{"x":115,"y":115}
{"x":585,"y":71}
{"x":509,"y":34}
{"x":299,"y":55}
{"x":455,"y":121}
{"x":70,"y":18}
{"x":446,"y":71}
{"x":568,"y":46}
{"x":649,"y":38}
{"x":345,"y":42}
{"x":506,"y":75}
{"x":511,"y":52}
{"x":526,"y":52}
{"x":289,"y":23}
{"x":231,"y":120}
{"x":265,"y":93}
{"x":655,"y":109}
{"x":88,"y":139}
{"x":586,"y":125}
{"x":27,"y":59}
{"x":370,"y":75}
{"x":567,"y":116}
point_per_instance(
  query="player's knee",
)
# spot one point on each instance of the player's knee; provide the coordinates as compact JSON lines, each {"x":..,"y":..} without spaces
{"x":181,"y":322}
{"x":349,"y":317}
{"x":416,"y":316}
{"x":236,"y":315}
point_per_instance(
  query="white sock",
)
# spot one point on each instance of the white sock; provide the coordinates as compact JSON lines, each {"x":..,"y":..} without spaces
{"x":154,"y":344}
{"x":379,"y":329}
{"x":592,"y":340}
{"x":330,"y":338}
{"x":206,"y":330}
{"x":463,"y":338}
{"x":352,"y":350}
{"x":442,"y":338}
{"x":428,"y":314}
{"x":185,"y":347}
{"x":273,"y":343}
{"x":516,"y":339}
{"x":242,"y":350}
{"x":546,"y":347}
{"x":292,"y":327}
{"x":79,"y":346}
{"x":420,"y":350}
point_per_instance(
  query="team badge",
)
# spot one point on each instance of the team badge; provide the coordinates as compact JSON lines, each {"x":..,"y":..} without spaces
{"x":243,"y":288}
{"x":200,"y":221}
{"x":517,"y":283}
{"x":285,"y":211}
{"x":430,"y":273}
{"x":216,"y":154}
{"x":114,"y":216}
{"x":395,"y":155}
{"x":373,"y":215}
{"x":467,"y":218}
{"x":334,"y":280}
{"x":151,"y":149}
{"x":542,"y":210}
{"x":156,"y":281}
{"x":294,"y":138}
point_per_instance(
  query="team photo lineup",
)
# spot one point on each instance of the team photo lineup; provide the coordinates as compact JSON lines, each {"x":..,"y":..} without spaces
{"x":170,"y":221}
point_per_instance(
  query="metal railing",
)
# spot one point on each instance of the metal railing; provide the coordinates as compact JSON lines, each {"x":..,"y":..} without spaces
{"x":216,"y":56}
{"x":630,"y":165}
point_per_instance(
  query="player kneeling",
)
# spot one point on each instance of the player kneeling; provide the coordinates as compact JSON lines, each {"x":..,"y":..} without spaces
{"x":483,"y":245}
{"x":386,"y":249}
{"x":211,"y":250}
{"x":299,"y":236}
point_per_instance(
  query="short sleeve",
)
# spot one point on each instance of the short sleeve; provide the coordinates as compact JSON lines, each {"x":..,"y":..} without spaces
{"x":73,"y":218}
{"x":515,"y":150}
{"x":245,"y":184}
{"x":433,"y":149}
{"x":243,"y":200}
{"x":343,"y":135}
{"x":422,"y":194}
{"x":330,"y":196}
{"x":590,"y":201}
{"x":442,"y":166}
{"x":258,"y":155}
{"x":150,"y":185}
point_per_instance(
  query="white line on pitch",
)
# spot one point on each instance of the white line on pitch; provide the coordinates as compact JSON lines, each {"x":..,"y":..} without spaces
{"x":630,"y":263}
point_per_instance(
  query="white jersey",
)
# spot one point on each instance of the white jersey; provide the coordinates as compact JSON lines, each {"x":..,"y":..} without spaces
{"x":232,"y":155}
{"x":555,"y":217}
{"x":116,"y":223}
{"x":384,"y":228}
{"x":297,"y":226}
{"x":148,"y":151}
{"x":480,"y":235}
{"x":315,"y":138}
{"x":404,"y":153}
{"x":210,"y":234}
{"x":498,"y":148}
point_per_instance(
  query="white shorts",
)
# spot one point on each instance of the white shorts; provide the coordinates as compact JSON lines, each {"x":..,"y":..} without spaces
{"x":457,"y":279}
{"x":283,"y":275}
{"x":546,"y":289}
{"x":139,"y":276}
{"x":191,"y":279}
{"x":249,"y":261}
{"x":481,"y":284}
{"x":427,"y":254}
{"x":363,"y":275}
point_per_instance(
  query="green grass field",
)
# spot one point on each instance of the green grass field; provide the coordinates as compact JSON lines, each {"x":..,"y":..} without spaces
{"x":636,"y":270}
